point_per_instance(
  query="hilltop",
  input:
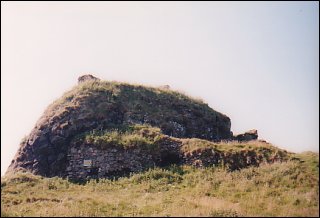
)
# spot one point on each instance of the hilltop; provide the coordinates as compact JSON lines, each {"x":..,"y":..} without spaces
{"x":116,"y":149}
{"x":101,"y":106}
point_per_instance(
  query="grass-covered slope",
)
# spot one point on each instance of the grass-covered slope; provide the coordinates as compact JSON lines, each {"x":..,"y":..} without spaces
{"x":113,"y":103}
{"x":281,"y":189}
{"x":159,"y":155}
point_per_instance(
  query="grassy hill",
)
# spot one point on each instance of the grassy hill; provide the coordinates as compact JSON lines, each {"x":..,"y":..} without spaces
{"x":156,"y":152}
{"x":103,"y":105}
{"x":289,"y":188}
{"x":175,"y":113}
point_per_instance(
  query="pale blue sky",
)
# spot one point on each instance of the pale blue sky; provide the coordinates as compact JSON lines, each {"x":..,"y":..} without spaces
{"x":257,"y":62}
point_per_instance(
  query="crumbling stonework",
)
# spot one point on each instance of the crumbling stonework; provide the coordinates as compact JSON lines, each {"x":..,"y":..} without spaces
{"x":105,"y":163}
{"x":87,"y":77}
{"x":117,"y":161}
{"x":104,"y":105}
{"x":48,"y":150}
{"x":247,"y":136}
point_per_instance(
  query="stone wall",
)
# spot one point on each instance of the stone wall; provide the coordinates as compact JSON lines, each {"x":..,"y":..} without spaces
{"x":105,"y":163}
{"x":118,"y":161}
{"x":247,"y":136}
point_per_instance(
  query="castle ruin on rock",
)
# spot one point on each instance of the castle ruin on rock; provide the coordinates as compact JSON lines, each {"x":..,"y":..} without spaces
{"x":95,"y":105}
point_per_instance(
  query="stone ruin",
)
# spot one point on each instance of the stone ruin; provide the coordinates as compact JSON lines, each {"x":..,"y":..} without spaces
{"x":47,"y":150}
{"x":86,"y":161}
{"x":165,"y":87}
{"x":87,"y":77}
{"x":247,"y":136}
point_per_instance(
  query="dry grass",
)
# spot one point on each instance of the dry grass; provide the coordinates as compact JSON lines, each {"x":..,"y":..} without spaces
{"x":281,"y":189}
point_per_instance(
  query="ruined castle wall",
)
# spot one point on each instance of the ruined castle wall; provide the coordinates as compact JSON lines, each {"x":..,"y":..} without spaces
{"x":87,"y":161}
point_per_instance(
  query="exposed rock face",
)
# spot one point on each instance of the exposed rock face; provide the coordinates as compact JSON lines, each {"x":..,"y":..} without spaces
{"x":98,"y":105}
{"x":247,"y":136}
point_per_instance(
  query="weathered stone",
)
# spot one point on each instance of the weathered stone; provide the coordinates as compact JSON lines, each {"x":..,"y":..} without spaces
{"x":247,"y":136}
{"x":165,"y":87}
{"x":48,"y":151}
{"x":87,"y":77}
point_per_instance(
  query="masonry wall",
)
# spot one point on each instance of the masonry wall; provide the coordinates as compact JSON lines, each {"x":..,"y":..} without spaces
{"x":117,"y":161}
{"x":105,"y":163}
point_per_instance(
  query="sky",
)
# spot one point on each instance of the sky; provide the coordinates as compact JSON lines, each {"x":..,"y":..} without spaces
{"x":256,"y":62}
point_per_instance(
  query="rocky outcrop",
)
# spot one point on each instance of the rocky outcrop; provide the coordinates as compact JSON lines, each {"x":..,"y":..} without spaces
{"x":165,"y":87}
{"x":98,"y":105}
{"x":247,"y":136}
{"x":86,"y":78}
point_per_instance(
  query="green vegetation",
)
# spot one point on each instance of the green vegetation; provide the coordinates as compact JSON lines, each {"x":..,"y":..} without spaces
{"x":142,"y":136}
{"x":231,"y":155}
{"x":190,"y":145}
{"x":132,"y":95}
{"x":281,"y":189}
{"x":112,"y":103}
{"x":232,"y":179}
